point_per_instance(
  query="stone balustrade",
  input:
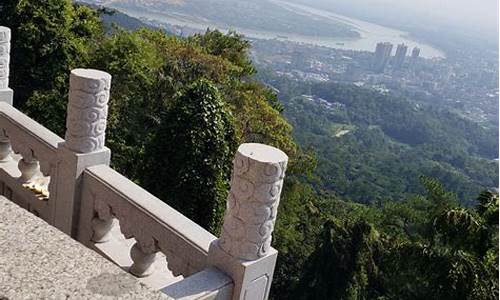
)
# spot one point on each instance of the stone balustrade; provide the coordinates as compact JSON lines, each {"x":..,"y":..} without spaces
{"x":107,"y":212}
{"x":28,"y":158}
{"x":155,"y":226}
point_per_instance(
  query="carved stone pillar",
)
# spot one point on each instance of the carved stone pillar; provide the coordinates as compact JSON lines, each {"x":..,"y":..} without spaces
{"x":4,"y":57}
{"x":5,"y":92}
{"x":244,"y":248}
{"x":256,"y":184}
{"x":87,"y":110}
{"x":84,"y":145}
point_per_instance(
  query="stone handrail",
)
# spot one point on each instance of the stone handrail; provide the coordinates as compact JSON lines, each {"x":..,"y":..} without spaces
{"x":28,"y":137}
{"x":155,"y":226}
{"x":37,"y":160}
{"x":36,"y":146}
{"x":209,"y":284}
{"x":86,"y":198}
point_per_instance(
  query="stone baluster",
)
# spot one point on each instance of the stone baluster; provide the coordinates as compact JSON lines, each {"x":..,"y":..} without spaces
{"x":6,"y":94}
{"x":143,"y":257}
{"x":84,"y":145}
{"x":28,"y":167}
{"x":101,"y":229}
{"x":5,"y":147}
{"x":102,"y":222}
{"x":244,"y":249}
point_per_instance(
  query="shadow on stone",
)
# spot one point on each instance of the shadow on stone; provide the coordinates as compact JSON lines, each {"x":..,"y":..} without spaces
{"x":108,"y":284}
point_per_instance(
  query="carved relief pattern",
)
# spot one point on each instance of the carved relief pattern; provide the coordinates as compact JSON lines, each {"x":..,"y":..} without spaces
{"x":44,"y":160}
{"x":175,"y":263}
{"x":4,"y":57}
{"x":102,"y":209}
{"x":45,"y":167}
{"x":19,"y":147}
{"x":87,"y":112}
{"x":134,"y":224}
{"x":251,"y":207}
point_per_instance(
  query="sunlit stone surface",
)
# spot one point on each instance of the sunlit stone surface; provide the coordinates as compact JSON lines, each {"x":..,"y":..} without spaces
{"x":40,"y":262}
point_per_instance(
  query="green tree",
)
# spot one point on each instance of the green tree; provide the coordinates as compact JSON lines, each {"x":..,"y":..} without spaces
{"x":49,"y":38}
{"x":230,"y":46}
{"x":345,"y":263}
{"x":137,"y":95}
{"x":189,"y":160}
{"x":425,"y":247}
{"x":451,"y":253}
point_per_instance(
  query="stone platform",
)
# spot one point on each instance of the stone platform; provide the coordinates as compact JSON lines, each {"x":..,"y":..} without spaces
{"x":37,"y":261}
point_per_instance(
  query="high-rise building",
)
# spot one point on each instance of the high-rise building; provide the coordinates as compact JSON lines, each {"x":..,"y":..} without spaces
{"x":399,"y":58}
{"x":414,"y":55}
{"x":381,"y":56}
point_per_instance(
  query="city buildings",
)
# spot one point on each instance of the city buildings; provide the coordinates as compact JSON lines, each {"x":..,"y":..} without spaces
{"x":399,"y":58}
{"x":468,"y":84}
{"x":414,"y":55}
{"x":381,"y":57}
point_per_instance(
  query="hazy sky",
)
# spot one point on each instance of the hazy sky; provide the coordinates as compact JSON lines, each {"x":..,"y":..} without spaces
{"x":477,"y":13}
{"x":480,"y":16}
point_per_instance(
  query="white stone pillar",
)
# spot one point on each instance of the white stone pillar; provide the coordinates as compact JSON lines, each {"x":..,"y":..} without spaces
{"x":6,"y":94}
{"x":244,"y":249}
{"x":84,"y":145}
{"x":87,"y":110}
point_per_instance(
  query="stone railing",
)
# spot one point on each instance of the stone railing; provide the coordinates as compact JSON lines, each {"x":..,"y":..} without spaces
{"x":28,"y":157}
{"x":70,"y":185}
{"x":155,"y":226}
{"x":27,"y":149}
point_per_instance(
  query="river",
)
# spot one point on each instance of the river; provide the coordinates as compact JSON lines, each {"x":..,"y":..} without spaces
{"x":370,"y":33}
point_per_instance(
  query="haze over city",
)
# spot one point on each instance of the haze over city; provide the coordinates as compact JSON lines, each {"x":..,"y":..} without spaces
{"x":474,"y":17}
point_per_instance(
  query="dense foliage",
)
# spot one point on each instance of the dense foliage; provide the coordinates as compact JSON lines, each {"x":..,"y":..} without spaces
{"x":160,"y":85}
{"x":200,"y":133}
{"x":372,"y":146}
{"x":51,"y":38}
{"x":428,"y":246}
{"x":179,"y":107}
